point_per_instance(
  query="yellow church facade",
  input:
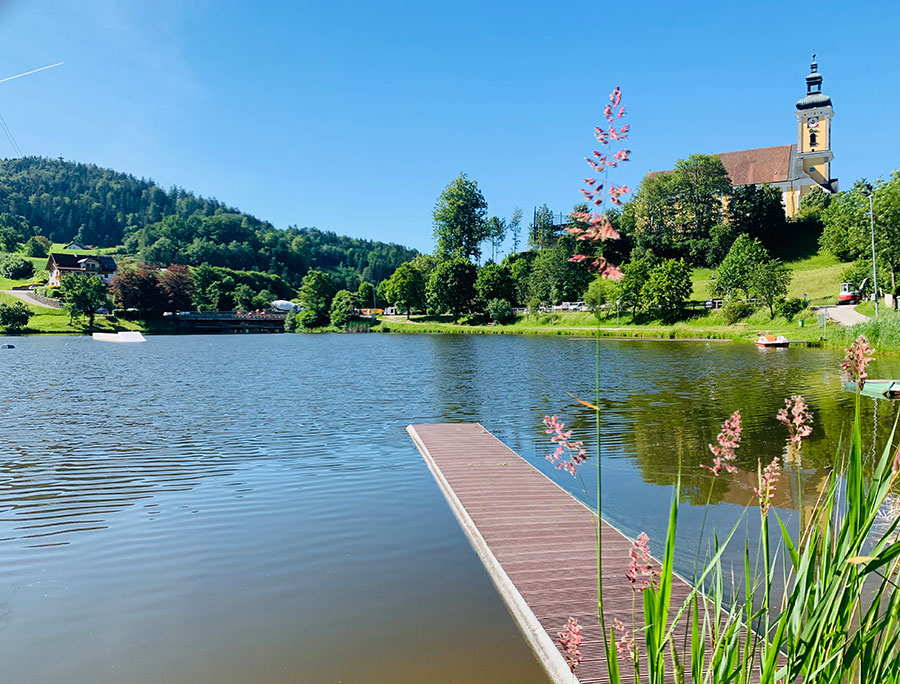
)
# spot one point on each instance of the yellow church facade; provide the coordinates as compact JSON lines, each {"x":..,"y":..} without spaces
{"x":795,"y":169}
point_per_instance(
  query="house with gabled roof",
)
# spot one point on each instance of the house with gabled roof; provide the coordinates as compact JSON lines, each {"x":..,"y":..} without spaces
{"x":795,"y":169}
{"x":102,"y":266}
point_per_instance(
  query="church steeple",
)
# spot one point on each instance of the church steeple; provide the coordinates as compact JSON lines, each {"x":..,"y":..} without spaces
{"x":814,"y":95}
{"x":814,"y":114}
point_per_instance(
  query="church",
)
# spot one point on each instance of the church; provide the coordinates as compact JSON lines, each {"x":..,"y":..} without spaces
{"x":796,"y":169}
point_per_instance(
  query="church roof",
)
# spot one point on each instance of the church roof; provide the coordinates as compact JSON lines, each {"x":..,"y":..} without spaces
{"x":752,"y":167}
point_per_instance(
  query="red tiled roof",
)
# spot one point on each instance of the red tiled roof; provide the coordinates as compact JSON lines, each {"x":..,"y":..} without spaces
{"x":752,"y":167}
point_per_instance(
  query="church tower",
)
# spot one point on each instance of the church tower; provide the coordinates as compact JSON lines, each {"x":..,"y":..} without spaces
{"x":814,"y":153}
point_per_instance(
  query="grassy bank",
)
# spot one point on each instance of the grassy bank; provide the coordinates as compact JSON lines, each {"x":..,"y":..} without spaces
{"x":56,"y":321}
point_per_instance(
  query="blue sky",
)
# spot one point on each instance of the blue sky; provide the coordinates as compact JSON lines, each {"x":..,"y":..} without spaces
{"x":353,"y":116}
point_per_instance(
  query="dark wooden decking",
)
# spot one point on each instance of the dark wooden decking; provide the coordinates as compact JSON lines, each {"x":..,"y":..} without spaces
{"x":537,"y":543}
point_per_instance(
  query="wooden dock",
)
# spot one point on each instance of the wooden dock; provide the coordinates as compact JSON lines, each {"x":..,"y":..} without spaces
{"x":538,"y":544}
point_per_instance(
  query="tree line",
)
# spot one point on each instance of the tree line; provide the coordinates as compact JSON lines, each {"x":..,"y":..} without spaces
{"x":60,"y":201}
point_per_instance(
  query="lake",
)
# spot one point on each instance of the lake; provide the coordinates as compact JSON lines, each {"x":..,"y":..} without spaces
{"x":250,"y":508}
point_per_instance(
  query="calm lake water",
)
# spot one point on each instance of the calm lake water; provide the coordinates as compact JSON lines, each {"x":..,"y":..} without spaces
{"x":250,"y":509}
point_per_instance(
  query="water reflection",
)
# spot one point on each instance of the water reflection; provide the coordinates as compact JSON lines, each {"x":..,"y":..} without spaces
{"x":241,"y":508}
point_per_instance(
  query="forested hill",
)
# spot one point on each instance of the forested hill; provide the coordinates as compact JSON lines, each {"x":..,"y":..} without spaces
{"x":65,"y":200}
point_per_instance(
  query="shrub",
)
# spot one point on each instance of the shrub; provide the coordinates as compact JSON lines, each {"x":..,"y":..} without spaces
{"x":788,"y":308}
{"x":470,"y":319}
{"x":499,"y":310}
{"x":14,"y":317}
{"x":343,"y":308}
{"x":306,"y":319}
{"x":36,"y":246}
{"x":735,"y":310}
{"x":15,"y":267}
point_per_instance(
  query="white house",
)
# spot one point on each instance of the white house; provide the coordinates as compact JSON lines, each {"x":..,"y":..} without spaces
{"x":104,"y":267}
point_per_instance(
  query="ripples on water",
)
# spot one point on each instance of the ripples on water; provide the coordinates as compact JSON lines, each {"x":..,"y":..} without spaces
{"x":249,"y":508}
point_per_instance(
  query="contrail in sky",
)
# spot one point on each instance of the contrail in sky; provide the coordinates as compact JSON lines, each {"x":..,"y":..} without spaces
{"x":33,"y":71}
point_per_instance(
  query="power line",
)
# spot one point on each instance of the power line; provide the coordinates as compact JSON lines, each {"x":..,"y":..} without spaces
{"x":10,"y":137}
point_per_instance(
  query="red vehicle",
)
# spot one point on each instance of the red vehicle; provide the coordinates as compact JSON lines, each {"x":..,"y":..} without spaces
{"x":851,"y":295}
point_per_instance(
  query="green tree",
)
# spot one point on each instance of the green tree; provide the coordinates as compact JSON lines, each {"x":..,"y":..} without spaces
{"x":405,"y":289}
{"x":515,"y":228}
{"x":518,"y":265}
{"x":36,"y":246}
{"x":15,"y":267}
{"x":635,"y":274}
{"x":343,"y":308}
{"x":451,"y":287}
{"x":15,"y":316}
{"x":499,"y":311}
{"x":675,"y":212}
{"x":887,"y":230}
{"x":315,"y":295}
{"x":553,"y":278}
{"x":769,"y":282}
{"x":82,"y":295}
{"x":459,"y":219}
{"x":495,"y":233}
{"x":732,"y":277}
{"x":845,"y":232}
{"x":758,"y":211}
{"x":668,"y":288}
{"x":493,"y":282}
{"x":600,"y":296}
{"x":243,"y":297}
{"x":365,"y":295}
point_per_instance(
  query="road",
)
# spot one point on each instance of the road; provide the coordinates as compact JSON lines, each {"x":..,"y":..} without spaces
{"x":26,"y":296}
{"x":844,"y":315}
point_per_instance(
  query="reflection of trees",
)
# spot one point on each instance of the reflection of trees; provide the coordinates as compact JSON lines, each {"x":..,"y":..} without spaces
{"x":672,"y":423}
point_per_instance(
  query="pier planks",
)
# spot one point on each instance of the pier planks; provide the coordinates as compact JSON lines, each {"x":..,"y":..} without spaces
{"x":537,"y":543}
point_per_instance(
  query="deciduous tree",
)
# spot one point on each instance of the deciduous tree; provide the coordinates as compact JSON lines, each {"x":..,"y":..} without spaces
{"x":451,"y":287}
{"x":459,"y":219}
{"x":315,"y":294}
{"x":668,"y":288}
{"x":405,"y":289}
{"x":82,"y":295}
{"x":769,"y":283}
{"x":343,"y":308}
{"x":732,"y":278}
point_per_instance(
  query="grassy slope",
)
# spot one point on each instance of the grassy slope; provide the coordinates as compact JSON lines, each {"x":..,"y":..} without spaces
{"x":818,"y":277}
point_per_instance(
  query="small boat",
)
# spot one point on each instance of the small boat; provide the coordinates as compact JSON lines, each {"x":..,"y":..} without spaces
{"x":127,"y":336}
{"x":883,"y":389}
{"x":772,"y":341}
{"x":7,"y":346}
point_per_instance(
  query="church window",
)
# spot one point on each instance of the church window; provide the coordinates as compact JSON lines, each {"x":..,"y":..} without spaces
{"x":812,"y":139}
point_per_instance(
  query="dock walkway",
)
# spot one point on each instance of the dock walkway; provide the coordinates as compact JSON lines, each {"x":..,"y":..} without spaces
{"x":537,"y":542}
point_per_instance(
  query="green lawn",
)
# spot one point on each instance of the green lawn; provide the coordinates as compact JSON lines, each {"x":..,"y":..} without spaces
{"x":56,"y":321}
{"x":818,"y":277}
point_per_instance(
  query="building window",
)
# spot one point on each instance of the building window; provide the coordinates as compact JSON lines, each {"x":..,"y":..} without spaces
{"x":813,"y":139}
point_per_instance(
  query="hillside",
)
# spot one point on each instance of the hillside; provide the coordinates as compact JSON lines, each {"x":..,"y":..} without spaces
{"x":66,"y":200}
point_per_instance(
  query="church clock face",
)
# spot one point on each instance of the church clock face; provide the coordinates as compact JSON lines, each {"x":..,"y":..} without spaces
{"x":812,"y":122}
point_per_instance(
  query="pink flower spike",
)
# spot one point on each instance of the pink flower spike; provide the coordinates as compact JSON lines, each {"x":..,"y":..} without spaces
{"x":768,"y":478}
{"x":625,"y":642}
{"x":568,"y":453}
{"x":896,"y":464}
{"x":570,"y":639}
{"x":857,"y":358}
{"x":727,"y":441}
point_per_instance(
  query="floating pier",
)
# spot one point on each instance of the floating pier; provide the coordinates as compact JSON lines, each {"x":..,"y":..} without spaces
{"x":538,"y":544}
